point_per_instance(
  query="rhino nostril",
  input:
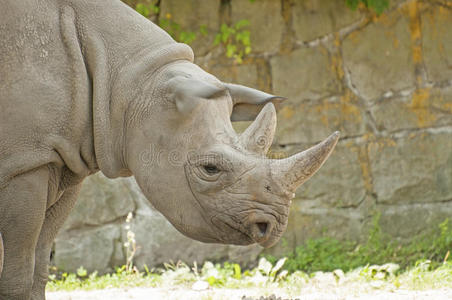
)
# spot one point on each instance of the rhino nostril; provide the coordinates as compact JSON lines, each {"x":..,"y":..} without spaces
{"x":262,"y":228}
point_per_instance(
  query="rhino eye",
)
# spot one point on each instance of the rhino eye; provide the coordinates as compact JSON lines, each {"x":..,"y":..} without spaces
{"x":211,"y":169}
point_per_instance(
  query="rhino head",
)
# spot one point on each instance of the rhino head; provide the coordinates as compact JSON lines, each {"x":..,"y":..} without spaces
{"x":213,"y":184}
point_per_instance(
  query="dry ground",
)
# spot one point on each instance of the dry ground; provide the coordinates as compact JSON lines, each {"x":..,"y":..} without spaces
{"x":309,"y":293}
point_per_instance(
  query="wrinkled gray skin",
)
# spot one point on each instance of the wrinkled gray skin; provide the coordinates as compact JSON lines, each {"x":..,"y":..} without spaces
{"x":91,"y":85}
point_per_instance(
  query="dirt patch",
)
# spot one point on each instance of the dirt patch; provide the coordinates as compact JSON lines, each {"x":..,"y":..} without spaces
{"x":248,"y":294}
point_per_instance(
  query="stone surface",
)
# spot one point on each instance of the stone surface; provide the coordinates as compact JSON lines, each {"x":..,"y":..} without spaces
{"x":92,"y":248}
{"x":416,"y":168}
{"x":343,"y":176}
{"x":379,"y":57}
{"x":403,"y":221}
{"x":246,"y":74}
{"x":306,"y":223}
{"x":260,"y":23}
{"x":422,"y":108}
{"x":312,"y":121}
{"x":189,"y":16}
{"x":437,"y":43}
{"x":100,"y":201}
{"x":316,"y":18}
{"x":306,"y":73}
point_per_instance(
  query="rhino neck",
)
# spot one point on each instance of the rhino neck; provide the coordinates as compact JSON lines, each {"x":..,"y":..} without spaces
{"x":119,"y":60}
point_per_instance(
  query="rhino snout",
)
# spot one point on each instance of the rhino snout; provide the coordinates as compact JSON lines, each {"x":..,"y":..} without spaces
{"x":261,"y":229}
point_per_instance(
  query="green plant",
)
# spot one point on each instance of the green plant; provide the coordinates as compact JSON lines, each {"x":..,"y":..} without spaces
{"x":378,"y":6}
{"x":236,"y":40}
{"x":147,"y":9}
{"x":130,"y":245}
{"x":175,"y":30}
{"x":328,"y":254}
{"x":423,"y":274}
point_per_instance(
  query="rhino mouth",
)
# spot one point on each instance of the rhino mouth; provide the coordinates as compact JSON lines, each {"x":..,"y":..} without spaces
{"x":260,"y":230}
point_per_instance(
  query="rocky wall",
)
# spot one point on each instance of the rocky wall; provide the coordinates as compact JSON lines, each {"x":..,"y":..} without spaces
{"x":384,"y":81}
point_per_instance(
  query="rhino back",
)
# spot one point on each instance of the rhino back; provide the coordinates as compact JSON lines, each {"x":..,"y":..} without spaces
{"x":59,"y":62}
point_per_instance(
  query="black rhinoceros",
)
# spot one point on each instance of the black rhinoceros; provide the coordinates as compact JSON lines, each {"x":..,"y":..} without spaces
{"x":88,"y":86}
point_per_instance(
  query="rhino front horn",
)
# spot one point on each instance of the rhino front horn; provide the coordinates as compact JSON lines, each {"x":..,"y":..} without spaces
{"x":293,"y":171}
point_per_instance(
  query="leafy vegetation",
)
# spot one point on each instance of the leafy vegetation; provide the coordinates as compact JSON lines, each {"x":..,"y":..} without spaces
{"x":328,"y":254}
{"x":378,"y":6}
{"x":147,"y":9}
{"x":235,"y":39}
{"x":423,"y":263}
{"x":266,"y":276}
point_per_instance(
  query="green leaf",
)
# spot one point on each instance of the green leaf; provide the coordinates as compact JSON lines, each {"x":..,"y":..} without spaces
{"x":224,"y":27}
{"x":380,"y":5}
{"x":142,"y":9}
{"x":225,"y":37}
{"x":211,"y":280}
{"x":230,"y":50}
{"x":217,"y":39}
{"x":352,"y":4}
{"x":81,"y":272}
{"x":187,"y":37}
{"x":237,"y":271}
{"x":155,"y":9}
{"x":241,"y":23}
{"x":203,"y":30}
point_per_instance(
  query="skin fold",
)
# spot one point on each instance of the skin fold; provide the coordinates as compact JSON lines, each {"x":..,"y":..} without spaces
{"x":81,"y":93}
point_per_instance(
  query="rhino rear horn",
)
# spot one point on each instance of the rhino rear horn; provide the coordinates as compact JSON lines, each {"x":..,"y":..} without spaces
{"x":248,"y":102}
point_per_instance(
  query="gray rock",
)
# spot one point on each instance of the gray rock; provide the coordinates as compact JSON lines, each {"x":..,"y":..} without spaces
{"x":188,"y":16}
{"x":416,"y":168}
{"x":334,"y":15}
{"x":311,"y":121}
{"x":422,"y":108}
{"x":379,"y":57}
{"x":404,"y":221}
{"x":246,"y":73}
{"x":305,"y":73}
{"x":101,"y":201}
{"x":91,"y":248}
{"x":260,"y":23}
{"x":437,"y":43}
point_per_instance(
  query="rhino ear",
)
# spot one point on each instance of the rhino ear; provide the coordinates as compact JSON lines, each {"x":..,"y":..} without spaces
{"x":248,"y":102}
{"x":188,"y":93}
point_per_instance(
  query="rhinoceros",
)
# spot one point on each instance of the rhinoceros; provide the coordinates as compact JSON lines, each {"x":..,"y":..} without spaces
{"x":89,"y":86}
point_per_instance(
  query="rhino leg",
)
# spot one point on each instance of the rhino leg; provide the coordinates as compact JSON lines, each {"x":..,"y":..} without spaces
{"x":23,"y":203}
{"x":55,"y":217}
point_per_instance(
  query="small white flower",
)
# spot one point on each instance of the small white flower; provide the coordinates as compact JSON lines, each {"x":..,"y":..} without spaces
{"x":129,"y":217}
